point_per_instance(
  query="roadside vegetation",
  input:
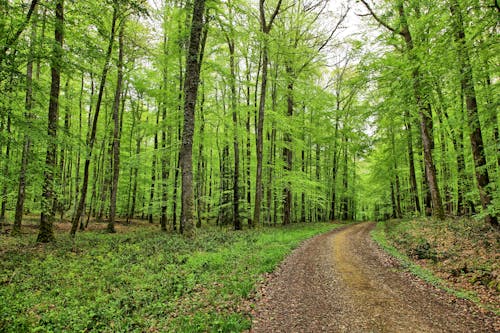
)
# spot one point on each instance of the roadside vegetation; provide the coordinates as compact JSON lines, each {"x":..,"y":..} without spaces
{"x":459,"y":255}
{"x":139,"y":279}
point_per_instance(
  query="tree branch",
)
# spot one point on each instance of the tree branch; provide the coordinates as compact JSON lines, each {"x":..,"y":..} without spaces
{"x":378,"y":19}
{"x":276,"y":11}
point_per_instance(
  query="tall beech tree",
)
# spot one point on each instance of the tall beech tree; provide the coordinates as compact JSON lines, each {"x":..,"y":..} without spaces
{"x":191,"y":82}
{"x":46,"y":233}
{"x":265,"y":27}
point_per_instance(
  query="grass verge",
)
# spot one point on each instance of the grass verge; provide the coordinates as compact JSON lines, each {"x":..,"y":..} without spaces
{"x":139,"y":280}
{"x":415,"y":245}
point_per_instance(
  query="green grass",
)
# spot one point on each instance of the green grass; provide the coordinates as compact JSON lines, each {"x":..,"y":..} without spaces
{"x":385,"y":234}
{"x":142,"y":280}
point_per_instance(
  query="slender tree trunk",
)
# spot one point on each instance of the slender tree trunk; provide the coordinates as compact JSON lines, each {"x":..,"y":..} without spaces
{"x":116,"y":133}
{"x":411,"y":160}
{"x":287,"y":152}
{"x":190,"y":94}
{"x":236,"y":152}
{"x":265,"y":28}
{"x":91,"y":141}
{"x":135,"y":181}
{"x":46,"y":233}
{"x":5,"y":189}
{"x":345,"y":183}
{"x":333,"y":204}
{"x":153,"y":169}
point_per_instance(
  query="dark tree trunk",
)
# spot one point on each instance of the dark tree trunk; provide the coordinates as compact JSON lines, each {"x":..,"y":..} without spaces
{"x":46,"y":233}
{"x":287,"y":153}
{"x":236,"y":171}
{"x":164,"y":173}
{"x":190,"y":94}
{"x":153,"y":170}
{"x":5,"y":189}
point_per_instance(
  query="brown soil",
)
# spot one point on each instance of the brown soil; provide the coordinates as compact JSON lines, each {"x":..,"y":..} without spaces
{"x":342,"y":282}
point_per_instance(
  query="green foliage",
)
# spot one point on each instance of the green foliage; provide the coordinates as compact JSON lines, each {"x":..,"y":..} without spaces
{"x":140,"y":280}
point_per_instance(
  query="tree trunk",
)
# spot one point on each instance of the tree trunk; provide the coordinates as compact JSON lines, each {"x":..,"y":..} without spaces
{"x":287,"y":153}
{"x":153,"y":170}
{"x":46,"y":233}
{"x":190,"y":94}
{"x":116,"y":133}
{"x":5,"y":189}
{"x":265,"y":28}
{"x":236,"y":171}
{"x":411,"y":160}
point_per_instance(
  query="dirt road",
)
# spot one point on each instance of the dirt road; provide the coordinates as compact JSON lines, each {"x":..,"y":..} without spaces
{"x":342,"y":282}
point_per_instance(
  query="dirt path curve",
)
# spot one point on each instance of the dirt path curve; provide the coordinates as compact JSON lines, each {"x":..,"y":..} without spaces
{"x":342,"y":282}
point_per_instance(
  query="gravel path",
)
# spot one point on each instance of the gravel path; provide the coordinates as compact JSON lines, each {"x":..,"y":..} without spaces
{"x":342,"y":282}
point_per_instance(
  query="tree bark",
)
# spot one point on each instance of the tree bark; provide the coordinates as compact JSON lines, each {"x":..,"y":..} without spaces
{"x":190,"y":95}
{"x":46,"y":233}
{"x":236,"y":171}
{"x":411,"y":165}
{"x":116,"y":133}
{"x":287,"y":151}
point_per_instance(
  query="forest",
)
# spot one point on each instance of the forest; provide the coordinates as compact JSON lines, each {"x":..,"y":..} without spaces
{"x":244,"y":113}
{"x":160,"y":158}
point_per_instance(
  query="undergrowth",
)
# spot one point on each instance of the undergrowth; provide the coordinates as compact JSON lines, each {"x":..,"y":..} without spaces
{"x":460,"y":256}
{"x":137,"y":281}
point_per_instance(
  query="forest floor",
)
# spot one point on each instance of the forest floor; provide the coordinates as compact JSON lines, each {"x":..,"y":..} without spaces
{"x":342,"y":281}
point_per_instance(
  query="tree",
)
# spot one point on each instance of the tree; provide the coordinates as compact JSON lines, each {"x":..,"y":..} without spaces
{"x":265,"y":29}
{"x":46,"y":233}
{"x":116,"y":132}
{"x":191,"y":83}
